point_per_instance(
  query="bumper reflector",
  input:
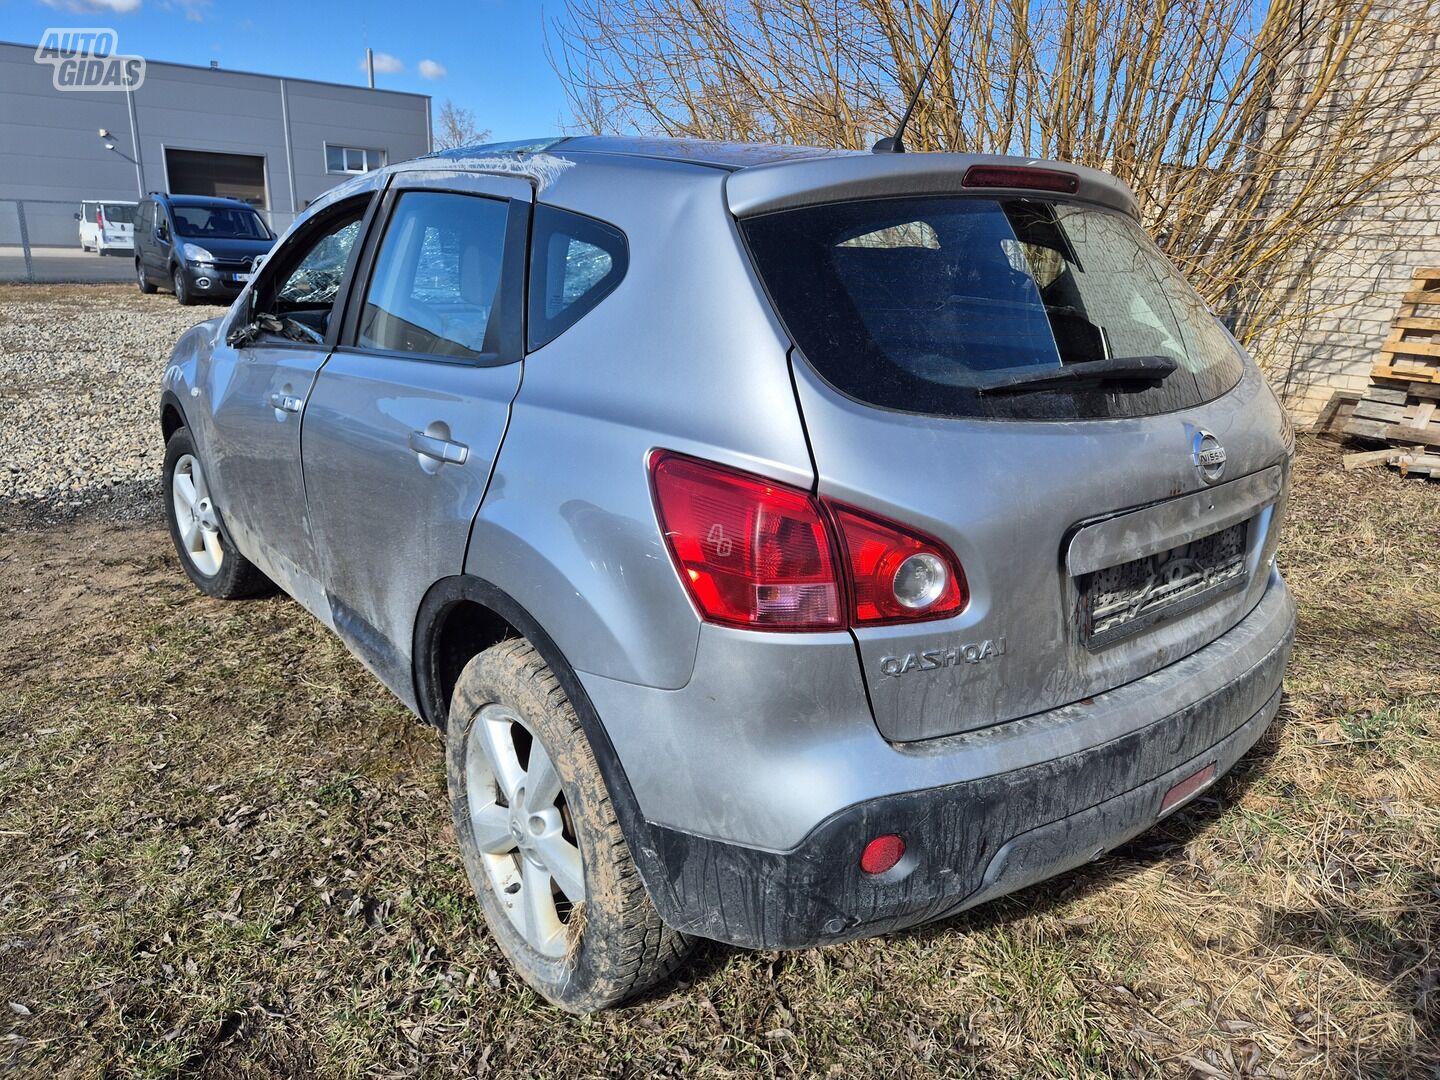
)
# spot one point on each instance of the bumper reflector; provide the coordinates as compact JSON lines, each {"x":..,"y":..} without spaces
{"x":1187,"y":787}
{"x":882,"y":854}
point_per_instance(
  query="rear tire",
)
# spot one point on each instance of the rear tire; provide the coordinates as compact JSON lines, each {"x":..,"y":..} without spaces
{"x":207,"y":555}
{"x":142,"y":280}
{"x":529,"y":852}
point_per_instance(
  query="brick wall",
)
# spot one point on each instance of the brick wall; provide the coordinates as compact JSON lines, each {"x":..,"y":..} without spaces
{"x":1348,"y":286}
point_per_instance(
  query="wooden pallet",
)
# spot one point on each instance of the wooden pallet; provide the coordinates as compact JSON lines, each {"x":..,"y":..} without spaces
{"x":1411,"y":423}
{"x":1338,"y":411}
{"x":1412,"y":351}
{"x":1401,"y":408}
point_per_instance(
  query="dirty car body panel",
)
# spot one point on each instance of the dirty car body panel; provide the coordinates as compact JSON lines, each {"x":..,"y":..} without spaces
{"x":1124,"y":628}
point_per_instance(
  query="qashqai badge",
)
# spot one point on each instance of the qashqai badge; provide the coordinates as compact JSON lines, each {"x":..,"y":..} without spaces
{"x":1208,"y":455}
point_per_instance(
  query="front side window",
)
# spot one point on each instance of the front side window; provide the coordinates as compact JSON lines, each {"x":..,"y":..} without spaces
{"x":302,"y":280}
{"x":218,"y":223}
{"x":316,"y":278}
{"x":922,"y":304}
{"x":575,"y":262}
{"x":436,"y":278}
{"x":352,"y":159}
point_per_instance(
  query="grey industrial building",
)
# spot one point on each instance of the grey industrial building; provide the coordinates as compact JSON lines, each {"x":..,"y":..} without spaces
{"x":276,"y":142}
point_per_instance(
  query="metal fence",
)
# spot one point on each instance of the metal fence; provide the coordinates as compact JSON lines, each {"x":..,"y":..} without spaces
{"x":40,"y":241}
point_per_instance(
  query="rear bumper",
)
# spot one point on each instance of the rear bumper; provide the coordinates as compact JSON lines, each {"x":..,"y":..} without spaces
{"x":978,"y":838}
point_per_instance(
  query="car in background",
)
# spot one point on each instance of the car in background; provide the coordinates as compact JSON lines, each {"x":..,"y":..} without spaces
{"x":106,"y":226}
{"x":198,"y":246}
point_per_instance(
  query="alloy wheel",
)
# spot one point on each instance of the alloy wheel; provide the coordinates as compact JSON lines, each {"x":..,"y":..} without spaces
{"x":195,"y":517}
{"x":522,"y":826}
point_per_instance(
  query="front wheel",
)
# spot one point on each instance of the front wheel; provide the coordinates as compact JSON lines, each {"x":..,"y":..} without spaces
{"x":208,"y":557}
{"x":540,"y":840}
{"x":182,"y":288}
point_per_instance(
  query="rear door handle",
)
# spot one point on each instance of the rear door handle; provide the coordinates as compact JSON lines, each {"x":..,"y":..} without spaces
{"x":285,"y":403}
{"x":442,"y":450}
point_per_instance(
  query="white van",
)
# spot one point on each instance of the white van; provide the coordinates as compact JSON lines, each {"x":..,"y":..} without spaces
{"x":106,"y":226}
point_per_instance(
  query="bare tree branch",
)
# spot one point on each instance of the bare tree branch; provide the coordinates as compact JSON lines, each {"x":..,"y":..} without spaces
{"x":1253,"y":133}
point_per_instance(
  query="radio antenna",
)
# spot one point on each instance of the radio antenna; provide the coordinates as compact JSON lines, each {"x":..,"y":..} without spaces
{"x":896,"y":143}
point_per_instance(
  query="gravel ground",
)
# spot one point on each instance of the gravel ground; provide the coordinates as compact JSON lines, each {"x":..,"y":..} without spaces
{"x":80,"y":369}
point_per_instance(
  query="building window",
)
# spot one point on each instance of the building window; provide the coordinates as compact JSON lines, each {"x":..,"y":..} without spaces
{"x":352,"y":159}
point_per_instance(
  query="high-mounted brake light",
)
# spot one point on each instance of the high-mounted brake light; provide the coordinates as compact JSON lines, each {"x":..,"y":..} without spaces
{"x":758,"y":554}
{"x":896,"y":574}
{"x":752,"y":552}
{"x":1021,"y":176}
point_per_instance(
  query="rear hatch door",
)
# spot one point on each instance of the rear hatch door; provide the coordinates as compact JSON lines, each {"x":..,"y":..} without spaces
{"x":1100,"y":533}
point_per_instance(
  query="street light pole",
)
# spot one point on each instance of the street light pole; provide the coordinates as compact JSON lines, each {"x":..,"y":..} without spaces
{"x":135,"y":142}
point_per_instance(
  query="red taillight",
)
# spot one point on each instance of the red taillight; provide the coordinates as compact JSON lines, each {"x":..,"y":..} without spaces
{"x":882,"y":854}
{"x":100,"y":216}
{"x":1021,"y":176}
{"x":758,"y":554}
{"x":897,"y":575}
{"x":753,"y":553}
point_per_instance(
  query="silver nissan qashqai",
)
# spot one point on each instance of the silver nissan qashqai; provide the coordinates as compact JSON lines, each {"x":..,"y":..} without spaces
{"x":794,"y":545}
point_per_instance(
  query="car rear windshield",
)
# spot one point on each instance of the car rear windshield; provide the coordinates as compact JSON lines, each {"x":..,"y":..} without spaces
{"x":218,"y":223}
{"x":119,"y":214}
{"x":923,"y":304}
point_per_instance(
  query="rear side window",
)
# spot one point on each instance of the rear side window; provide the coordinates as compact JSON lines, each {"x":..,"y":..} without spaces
{"x":575,"y":262}
{"x":916,"y":303}
{"x":437,"y":276}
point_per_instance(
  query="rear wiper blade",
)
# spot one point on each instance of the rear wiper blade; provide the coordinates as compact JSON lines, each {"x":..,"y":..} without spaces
{"x":1135,"y":372}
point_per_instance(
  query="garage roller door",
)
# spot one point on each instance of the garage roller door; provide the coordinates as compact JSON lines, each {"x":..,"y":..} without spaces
{"x":233,"y":176}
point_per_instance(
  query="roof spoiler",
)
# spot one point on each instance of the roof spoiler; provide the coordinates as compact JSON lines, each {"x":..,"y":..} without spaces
{"x":762,"y":189}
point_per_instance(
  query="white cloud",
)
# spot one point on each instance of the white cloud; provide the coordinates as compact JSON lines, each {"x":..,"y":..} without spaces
{"x":385,"y":64}
{"x":82,"y":7}
{"x":195,"y":10}
{"x":431,"y":69}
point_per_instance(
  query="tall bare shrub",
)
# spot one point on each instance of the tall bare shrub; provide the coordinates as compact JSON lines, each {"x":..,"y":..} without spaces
{"x":1249,"y":131}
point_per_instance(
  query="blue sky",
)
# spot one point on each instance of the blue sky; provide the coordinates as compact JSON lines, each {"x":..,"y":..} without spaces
{"x":490,"y":53}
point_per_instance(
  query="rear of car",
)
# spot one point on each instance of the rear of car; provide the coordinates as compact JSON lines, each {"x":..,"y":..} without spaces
{"x":115,"y":223}
{"x":106,"y":226}
{"x":829,"y":542}
{"x":1028,"y":604}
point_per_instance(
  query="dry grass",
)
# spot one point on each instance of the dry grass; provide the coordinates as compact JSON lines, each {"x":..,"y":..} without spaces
{"x":224,"y":853}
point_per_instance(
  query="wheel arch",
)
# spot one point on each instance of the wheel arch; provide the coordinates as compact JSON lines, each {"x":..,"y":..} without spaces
{"x":463,"y":615}
{"x":172,"y":415}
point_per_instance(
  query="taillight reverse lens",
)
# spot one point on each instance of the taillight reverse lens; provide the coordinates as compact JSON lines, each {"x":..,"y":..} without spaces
{"x":752,"y":552}
{"x":897,"y":575}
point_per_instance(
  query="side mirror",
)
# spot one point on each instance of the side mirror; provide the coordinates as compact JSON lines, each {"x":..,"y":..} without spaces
{"x":77,"y":215}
